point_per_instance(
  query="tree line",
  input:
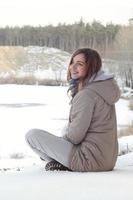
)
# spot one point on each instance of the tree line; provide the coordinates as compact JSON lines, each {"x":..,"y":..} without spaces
{"x":67,"y":37}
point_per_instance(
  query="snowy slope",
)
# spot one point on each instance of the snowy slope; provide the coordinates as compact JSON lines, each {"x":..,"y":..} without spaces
{"x":39,"y":62}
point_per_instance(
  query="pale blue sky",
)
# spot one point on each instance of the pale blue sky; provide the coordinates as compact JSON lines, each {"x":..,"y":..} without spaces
{"x":44,"y":12}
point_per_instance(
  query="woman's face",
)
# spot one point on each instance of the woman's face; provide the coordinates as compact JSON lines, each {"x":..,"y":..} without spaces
{"x":78,"y":67}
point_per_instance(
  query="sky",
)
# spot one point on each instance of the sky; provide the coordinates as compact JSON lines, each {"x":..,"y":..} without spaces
{"x":42,"y":12}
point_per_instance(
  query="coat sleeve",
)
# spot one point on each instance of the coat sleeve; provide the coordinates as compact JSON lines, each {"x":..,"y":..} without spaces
{"x":80,"y":117}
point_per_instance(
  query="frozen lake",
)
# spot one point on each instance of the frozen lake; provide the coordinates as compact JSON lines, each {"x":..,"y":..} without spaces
{"x":24,"y":107}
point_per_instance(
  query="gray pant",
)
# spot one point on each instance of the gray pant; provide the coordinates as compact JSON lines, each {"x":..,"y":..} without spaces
{"x":49,"y":146}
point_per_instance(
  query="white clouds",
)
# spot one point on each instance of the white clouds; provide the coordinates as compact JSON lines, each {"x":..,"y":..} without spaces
{"x":16,"y":12}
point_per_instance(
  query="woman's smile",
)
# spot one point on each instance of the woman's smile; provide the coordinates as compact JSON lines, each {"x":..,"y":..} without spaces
{"x":78,"y":67}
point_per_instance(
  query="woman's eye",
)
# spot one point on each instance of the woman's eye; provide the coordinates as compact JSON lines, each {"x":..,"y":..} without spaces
{"x":79,"y":64}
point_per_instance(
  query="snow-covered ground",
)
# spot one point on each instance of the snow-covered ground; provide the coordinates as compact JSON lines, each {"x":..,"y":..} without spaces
{"x":25,"y":107}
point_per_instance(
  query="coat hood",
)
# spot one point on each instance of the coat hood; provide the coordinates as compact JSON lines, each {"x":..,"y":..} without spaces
{"x":105,"y":86}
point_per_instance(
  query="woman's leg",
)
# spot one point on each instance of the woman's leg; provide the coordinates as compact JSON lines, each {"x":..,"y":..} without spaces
{"x":49,"y":146}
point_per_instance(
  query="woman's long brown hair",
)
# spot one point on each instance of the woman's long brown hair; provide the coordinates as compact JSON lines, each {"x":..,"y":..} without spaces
{"x":92,"y":59}
{"x":93,"y":65}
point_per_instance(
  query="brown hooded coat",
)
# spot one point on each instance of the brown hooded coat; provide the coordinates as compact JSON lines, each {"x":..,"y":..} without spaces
{"x":92,"y":125}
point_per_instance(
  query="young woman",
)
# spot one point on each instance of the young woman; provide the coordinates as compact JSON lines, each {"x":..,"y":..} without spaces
{"x":90,"y":140}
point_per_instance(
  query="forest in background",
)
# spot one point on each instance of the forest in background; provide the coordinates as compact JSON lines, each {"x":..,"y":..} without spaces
{"x":65,"y":37}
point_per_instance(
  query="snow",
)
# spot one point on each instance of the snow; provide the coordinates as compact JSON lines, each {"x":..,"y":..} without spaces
{"x":35,"y":183}
{"x":126,"y":144}
{"x":127,"y":92}
{"x":124,"y":115}
{"x":25,"y":107}
{"x":44,"y":62}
